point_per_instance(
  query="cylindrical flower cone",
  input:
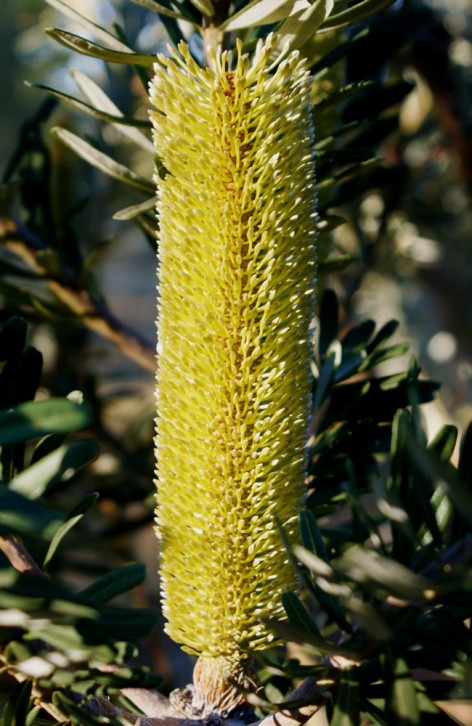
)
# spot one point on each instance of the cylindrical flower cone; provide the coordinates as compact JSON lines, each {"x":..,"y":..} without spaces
{"x":236,"y":290}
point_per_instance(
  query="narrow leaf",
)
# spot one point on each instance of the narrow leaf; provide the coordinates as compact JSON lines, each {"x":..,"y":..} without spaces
{"x":354,"y":14}
{"x":346,"y":710}
{"x":37,"y":418}
{"x":135,"y":210}
{"x":16,"y":708}
{"x":114,"y":583}
{"x":300,"y":28}
{"x":87,"y":47}
{"x":262,"y":12}
{"x":117,"y":120}
{"x":54,"y":467}
{"x":97,"y":30}
{"x":401,"y":704}
{"x":101,"y":161}
{"x":73,"y":518}
{"x":104,"y":105}
{"x":163,"y":10}
{"x":298,"y":615}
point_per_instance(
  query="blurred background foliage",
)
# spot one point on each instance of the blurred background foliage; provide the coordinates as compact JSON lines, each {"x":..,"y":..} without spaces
{"x":407,"y":228}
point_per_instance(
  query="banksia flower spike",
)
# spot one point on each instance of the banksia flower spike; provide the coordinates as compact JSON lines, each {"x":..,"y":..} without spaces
{"x":236,"y":289}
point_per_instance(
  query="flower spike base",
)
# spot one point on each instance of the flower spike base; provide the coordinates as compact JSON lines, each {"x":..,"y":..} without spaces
{"x":236,"y":287}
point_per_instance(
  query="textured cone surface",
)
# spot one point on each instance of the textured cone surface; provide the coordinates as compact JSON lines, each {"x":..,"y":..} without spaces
{"x":236,"y":252}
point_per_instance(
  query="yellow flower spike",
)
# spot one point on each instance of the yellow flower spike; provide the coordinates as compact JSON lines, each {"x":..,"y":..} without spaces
{"x":236,"y":291}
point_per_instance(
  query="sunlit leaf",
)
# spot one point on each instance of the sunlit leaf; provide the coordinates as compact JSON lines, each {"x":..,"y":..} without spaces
{"x":135,"y":210}
{"x":103,"y":104}
{"x":261,"y":12}
{"x":103,"y":162}
{"x":87,"y":47}
{"x":97,"y":30}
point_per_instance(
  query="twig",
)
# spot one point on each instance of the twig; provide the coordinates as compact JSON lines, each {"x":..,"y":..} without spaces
{"x":18,"y":556}
{"x":93,"y":315}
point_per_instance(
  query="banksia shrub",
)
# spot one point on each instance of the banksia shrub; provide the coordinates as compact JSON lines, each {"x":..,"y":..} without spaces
{"x":237,"y":267}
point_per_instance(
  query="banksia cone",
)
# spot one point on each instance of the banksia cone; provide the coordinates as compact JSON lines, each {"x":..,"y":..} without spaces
{"x":236,"y":279}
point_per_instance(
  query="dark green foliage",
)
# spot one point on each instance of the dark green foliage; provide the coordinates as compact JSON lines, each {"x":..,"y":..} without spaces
{"x":42,"y":618}
{"x":385,"y":566}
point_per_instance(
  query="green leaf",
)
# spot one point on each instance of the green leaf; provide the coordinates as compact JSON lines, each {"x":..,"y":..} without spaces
{"x":117,"y":120}
{"x":93,"y":50}
{"x":97,"y":30}
{"x":311,"y":535}
{"x":298,"y":615}
{"x":444,"y":442}
{"x":205,"y":7}
{"x":16,"y":708}
{"x":54,"y":467}
{"x":73,"y":518}
{"x":376,"y":572}
{"x":37,"y":418}
{"x":163,"y":10}
{"x":401,"y":704}
{"x":24,"y":517}
{"x":346,"y":710}
{"x":383,"y":335}
{"x":114,"y":583}
{"x":78,"y":715}
{"x":444,"y":475}
{"x":105,"y":106}
{"x":357,"y":12}
{"x":324,"y":380}
{"x":103,"y":162}
{"x":341,"y":94}
{"x":259,"y":12}
{"x":135,"y":210}
{"x":465,"y":458}
{"x":328,"y":321}
{"x":302,"y":26}
{"x":46,"y":445}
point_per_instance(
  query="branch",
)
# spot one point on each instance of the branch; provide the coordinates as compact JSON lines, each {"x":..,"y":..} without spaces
{"x":93,"y":315}
{"x":18,"y":556}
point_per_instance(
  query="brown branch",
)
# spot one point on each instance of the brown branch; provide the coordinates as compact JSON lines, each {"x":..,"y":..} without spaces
{"x":18,"y":556}
{"x":79,"y":301}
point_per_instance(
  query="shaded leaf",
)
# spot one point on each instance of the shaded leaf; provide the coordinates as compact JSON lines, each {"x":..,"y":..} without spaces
{"x":16,"y":708}
{"x":73,"y":518}
{"x":54,"y":467}
{"x":114,"y":583}
{"x":355,"y":13}
{"x":401,"y":704}
{"x":163,"y":10}
{"x":37,"y":418}
{"x":346,"y":710}
{"x":297,"y":613}
{"x":22,"y":516}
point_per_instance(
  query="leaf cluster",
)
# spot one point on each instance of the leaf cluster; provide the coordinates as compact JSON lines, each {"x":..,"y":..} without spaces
{"x":62,"y":641}
{"x":385,"y":558}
